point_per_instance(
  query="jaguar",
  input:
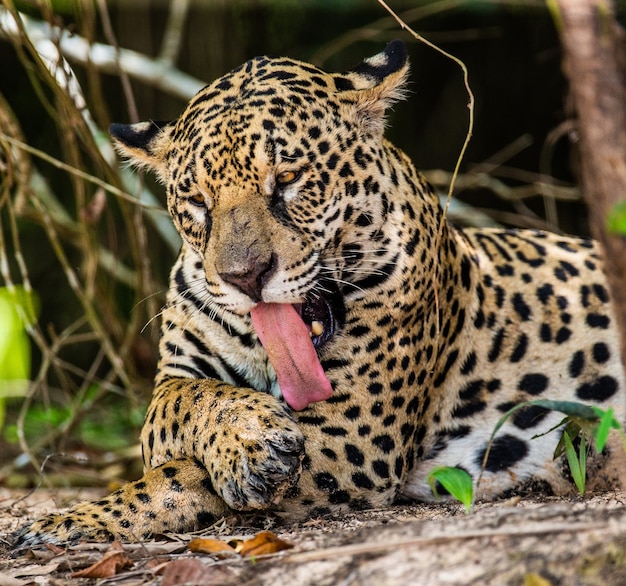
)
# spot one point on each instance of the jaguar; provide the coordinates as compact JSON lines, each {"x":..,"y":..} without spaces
{"x":329,"y":337}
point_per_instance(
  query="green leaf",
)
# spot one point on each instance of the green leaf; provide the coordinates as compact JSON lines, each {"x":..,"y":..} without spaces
{"x":456,"y":481}
{"x":592,"y":421}
{"x":581,"y":420}
{"x":17,"y":312}
{"x":577,"y":462}
{"x":607,"y":422}
{"x":582,"y":459}
{"x":572,"y":409}
{"x":571,"y":430}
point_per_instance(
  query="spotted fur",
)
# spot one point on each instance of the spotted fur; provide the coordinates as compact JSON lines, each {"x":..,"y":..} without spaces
{"x":284,"y":190}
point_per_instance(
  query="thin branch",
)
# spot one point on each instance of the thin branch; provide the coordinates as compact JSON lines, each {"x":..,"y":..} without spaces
{"x":468,"y":136}
{"x":374,"y":30}
{"x":74,"y":171}
{"x":473,"y":180}
{"x":123,"y":75}
{"x":468,"y":89}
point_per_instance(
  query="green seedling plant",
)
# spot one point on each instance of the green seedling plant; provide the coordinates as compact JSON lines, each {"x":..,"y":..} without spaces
{"x":581,"y":422}
{"x":597,"y":429}
{"x":589,"y":423}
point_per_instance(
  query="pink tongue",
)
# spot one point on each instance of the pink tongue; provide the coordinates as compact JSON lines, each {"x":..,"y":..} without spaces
{"x":286,"y":340}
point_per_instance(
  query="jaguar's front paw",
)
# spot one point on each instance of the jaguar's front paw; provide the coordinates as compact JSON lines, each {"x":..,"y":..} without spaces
{"x":266,"y":467}
{"x":257,"y":455}
{"x":248,"y":441}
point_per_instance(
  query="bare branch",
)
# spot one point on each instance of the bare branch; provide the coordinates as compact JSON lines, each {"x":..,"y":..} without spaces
{"x":153,"y":72}
{"x":174,"y":32}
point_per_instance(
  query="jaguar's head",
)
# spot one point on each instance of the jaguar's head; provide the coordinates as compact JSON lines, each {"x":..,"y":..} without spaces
{"x":274,"y":179}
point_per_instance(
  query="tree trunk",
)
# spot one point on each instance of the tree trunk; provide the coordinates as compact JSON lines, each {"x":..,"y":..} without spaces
{"x":593,"y":62}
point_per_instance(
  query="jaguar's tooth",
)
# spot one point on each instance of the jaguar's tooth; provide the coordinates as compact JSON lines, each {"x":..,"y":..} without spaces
{"x":317,"y":328}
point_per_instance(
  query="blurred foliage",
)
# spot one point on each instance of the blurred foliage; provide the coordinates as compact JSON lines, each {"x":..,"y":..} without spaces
{"x":96,"y":429}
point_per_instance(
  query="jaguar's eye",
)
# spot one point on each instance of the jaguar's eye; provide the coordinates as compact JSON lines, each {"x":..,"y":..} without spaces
{"x":287,"y":177}
{"x":197,"y":200}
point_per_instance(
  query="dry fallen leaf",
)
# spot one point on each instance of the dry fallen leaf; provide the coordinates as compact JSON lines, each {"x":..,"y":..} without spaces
{"x":30,"y":574}
{"x":109,"y":565}
{"x":188,"y":571}
{"x":203,"y":545}
{"x":263,"y":543}
{"x":193,"y":571}
{"x":35,"y":570}
{"x":157,"y":567}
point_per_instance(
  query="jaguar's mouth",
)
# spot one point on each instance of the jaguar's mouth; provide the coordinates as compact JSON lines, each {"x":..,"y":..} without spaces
{"x":317,"y":313}
{"x":291,"y":336}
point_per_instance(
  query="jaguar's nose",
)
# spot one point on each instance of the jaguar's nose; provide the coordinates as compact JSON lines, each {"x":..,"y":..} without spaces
{"x":250,"y":276}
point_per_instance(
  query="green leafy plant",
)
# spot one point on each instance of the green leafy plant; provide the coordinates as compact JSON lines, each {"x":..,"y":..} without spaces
{"x":597,"y":429}
{"x":456,"y":481}
{"x":580,"y":421}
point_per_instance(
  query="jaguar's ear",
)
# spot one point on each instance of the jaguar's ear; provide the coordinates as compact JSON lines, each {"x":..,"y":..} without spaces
{"x":144,"y":143}
{"x":376,"y":84}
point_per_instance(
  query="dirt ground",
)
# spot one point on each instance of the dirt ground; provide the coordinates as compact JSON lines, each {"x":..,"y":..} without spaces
{"x":529,"y":542}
